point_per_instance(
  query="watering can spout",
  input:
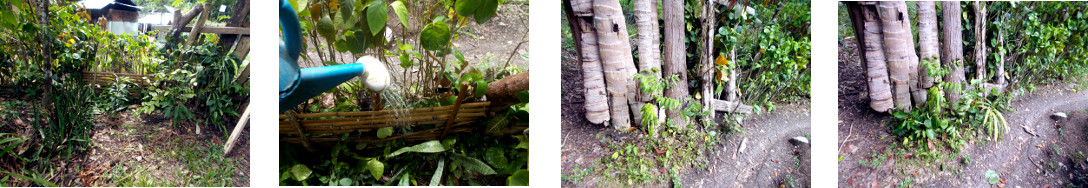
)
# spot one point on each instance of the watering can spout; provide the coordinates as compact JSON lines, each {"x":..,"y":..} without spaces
{"x":298,"y":85}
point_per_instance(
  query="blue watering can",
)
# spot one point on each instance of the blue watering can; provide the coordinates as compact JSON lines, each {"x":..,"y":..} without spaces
{"x":298,"y":85}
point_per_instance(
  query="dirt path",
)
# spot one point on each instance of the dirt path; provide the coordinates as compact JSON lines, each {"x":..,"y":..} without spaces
{"x":1036,"y":151}
{"x":768,"y":160}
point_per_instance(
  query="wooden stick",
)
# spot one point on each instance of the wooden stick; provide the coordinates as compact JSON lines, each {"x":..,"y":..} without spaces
{"x":388,"y":117}
{"x":456,"y":107}
{"x":242,"y":122}
{"x":195,"y":33}
{"x":301,"y":132}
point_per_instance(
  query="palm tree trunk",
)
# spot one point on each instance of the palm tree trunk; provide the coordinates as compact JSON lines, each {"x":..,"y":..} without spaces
{"x":980,"y":41}
{"x":649,"y":50}
{"x":592,"y":72}
{"x":867,"y":27}
{"x":899,"y":51}
{"x":615,"y":50}
{"x":927,"y":41}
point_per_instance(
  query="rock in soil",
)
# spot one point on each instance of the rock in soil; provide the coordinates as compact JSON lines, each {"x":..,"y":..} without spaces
{"x":798,"y":140}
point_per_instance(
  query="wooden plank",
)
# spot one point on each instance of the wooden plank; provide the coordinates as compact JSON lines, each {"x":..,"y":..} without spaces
{"x":195,"y":33}
{"x":243,"y":77}
{"x":207,"y":29}
{"x":239,"y":17}
{"x":242,"y":122}
{"x":242,"y":49}
{"x":730,"y":106}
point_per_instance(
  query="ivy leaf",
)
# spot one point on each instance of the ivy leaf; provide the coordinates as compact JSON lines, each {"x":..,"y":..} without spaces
{"x":301,"y":172}
{"x":486,"y":11}
{"x":376,"y":15}
{"x":376,"y":168}
{"x":402,"y":13}
{"x":435,"y":36}
{"x":433,"y":146}
{"x":519,"y":178}
{"x":472,"y":164}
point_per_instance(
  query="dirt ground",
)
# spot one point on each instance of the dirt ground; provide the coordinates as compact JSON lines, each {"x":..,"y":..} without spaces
{"x":768,"y":160}
{"x":1036,"y":151}
{"x":147,"y":150}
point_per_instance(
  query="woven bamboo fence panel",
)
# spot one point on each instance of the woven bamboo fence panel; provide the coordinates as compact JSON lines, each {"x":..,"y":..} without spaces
{"x":324,"y":128}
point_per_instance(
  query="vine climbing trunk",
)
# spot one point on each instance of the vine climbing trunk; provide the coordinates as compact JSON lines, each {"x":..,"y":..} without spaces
{"x":871,"y":40}
{"x":596,"y":101}
{"x":927,"y":42}
{"x":900,"y":54}
{"x":952,"y":49}
{"x":615,"y":53}
{"x":673,"y":14}
{"x":649,"y":50}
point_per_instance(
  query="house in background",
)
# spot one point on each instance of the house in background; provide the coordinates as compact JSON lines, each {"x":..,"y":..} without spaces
{"x":122,"y":16}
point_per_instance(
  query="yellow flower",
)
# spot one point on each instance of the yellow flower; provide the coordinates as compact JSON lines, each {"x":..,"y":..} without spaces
{"x":70,"y":42}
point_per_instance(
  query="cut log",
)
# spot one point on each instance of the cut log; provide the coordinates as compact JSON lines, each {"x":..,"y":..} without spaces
{"x":503,"y":93}
{"x":731,"y":107}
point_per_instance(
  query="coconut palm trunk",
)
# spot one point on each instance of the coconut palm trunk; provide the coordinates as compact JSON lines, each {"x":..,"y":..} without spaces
{"x":615,"y":50}
{"x":867,"y":27}
{"x":927,"y":42}
{"x":952,"y":49}
{"x":596,"y":100}
{"x":649,"y":48}
{"x":899,"y":51}
{"x":980,"y":41}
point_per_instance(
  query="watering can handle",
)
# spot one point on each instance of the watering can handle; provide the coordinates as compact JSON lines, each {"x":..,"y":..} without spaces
{"x":291,"y":30}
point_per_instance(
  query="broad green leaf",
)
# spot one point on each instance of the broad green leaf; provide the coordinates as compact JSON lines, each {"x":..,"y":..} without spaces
{"x":467,"y":8}
{"x":519,"y":178}
{"x":385,"y":132}
{"x":301,"y":172}
{"x":992,"y":177}
{"x":402,"y":13}
{"x":472,"y":164}
{"x":436,"y":179}
{"x":346,"y":18}
{"x":433,"y":146}
{"x":376,"y":168}
{"x":325,"y":28}
{"x":486,"y":11}
{"x":481,"y":88}
{"x":495,"y":157}
{"x":405,"y":62}
{"x":523,"y":96}
{"x":345,"y":182}
{"x":435,"y":36}
{"x":376,"y":15}
{"x":404,"y":180}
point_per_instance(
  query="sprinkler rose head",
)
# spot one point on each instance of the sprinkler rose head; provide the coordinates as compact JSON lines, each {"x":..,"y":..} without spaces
{"x":375,"y":75}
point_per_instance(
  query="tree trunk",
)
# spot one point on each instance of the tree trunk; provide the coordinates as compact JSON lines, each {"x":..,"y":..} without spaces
{"x":899,"y":51}
{"x":1000,"y":74}
{"x":707,"y":60}
{"x":649,"y":42}
{"x":675,"y":65}
{"x":927,"y":41}
{"x":980,"y":41}
{"x":593,"y":76}
{"x":615,"y":50}
{"x":871,"y":39}
{"x":952,"y":49}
